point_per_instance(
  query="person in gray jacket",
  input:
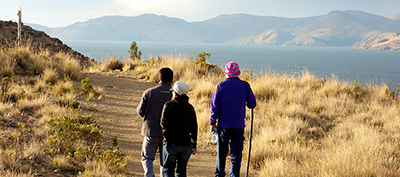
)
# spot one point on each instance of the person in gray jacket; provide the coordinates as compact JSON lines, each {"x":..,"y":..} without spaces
{"x":150,"y":108}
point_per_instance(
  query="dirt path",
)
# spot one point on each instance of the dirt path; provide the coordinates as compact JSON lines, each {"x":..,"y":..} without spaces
{"x":116,"y":115}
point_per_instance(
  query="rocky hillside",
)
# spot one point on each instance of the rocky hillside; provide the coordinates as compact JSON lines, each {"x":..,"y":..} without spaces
{"x":377,"y":41}
{"x":38,"y":40}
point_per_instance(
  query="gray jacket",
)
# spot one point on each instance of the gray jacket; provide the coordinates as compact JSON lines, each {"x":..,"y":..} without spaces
{"x":150,"y":108}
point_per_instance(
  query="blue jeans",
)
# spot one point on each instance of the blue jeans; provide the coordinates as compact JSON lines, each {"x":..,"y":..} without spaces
{"x":236,"y":144}
{"x":175,"y":157}
{"x":149,"y":149}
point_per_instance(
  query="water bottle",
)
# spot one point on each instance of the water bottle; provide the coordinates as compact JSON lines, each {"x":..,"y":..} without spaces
{"x":214,"y":137}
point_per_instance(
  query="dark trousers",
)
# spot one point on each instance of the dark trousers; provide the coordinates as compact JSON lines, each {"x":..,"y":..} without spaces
{"x":234,"y":138}
{"x":175,"y":157}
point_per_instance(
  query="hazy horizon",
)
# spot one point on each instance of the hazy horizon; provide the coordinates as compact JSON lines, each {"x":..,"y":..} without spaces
{"x":63,"y":13}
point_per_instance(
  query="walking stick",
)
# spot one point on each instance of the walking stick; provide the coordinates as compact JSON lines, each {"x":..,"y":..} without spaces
{"x":251,"y":134}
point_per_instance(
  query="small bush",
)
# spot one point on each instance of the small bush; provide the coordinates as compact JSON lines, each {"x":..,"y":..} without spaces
{"x":134,"y":52}
{"x":89,"y":90}
{"x":68,"y":102}
{"x":115,"y":64}
{"x":202,"y":60}
{"x":85,"y":85}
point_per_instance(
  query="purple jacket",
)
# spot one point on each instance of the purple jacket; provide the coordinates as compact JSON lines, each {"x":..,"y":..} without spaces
{"x":228,"y":103}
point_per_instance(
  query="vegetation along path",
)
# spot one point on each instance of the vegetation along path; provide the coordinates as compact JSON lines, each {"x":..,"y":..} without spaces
{"x":116,"y":115}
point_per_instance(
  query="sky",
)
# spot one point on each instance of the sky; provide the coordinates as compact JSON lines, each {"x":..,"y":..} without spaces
{"x":54,"y":13}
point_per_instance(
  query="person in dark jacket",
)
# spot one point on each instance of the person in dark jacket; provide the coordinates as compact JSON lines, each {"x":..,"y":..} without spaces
{"x":150,"y":108}
{"x":179,"y":127}
{"x":228,"y":107}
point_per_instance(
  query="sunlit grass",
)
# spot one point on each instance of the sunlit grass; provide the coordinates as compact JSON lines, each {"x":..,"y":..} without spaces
{"x":305,"y":126}
{"x":38,"y":87}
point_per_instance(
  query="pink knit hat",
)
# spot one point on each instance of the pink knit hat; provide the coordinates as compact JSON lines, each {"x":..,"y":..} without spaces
{"x":232,"y":69}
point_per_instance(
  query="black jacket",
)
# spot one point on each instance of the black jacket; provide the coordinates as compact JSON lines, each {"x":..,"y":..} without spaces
{"x":178,"y":122}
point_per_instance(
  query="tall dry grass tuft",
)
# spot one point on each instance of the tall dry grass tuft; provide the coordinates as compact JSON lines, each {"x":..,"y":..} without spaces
{"x":62,"y":88}
{"x":32,"y":104}
{"x":27,"y":62}
{"x":69,"y":65}
{"x":7,"y":64}
{"x":40,"y":86}
{"x":305,"y":126}
{"x":61,"y":162}
{"x":50,"y":75}
{"x":19,"y":91}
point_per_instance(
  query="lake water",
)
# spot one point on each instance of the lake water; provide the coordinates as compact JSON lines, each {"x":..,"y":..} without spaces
{"x":347,"y":64}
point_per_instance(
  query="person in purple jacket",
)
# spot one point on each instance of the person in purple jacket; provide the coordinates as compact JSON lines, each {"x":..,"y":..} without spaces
{"x":228,"y":108}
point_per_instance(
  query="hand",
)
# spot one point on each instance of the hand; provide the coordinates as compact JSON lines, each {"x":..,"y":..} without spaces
{"x":194,"y":151}
{"x":214,"y":127}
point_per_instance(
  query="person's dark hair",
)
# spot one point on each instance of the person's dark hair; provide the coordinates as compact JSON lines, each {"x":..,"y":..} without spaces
{"x":166,"y":75}
{"x":184,"y":100}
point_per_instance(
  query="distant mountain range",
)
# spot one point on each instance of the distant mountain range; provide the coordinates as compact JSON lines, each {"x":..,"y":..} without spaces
{"x":337,"y":28}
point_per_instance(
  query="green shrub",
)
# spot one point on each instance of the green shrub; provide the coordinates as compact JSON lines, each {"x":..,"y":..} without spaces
{"x":64,"y":102}
{"x":64,"y":131}
{"x":86,"y":87}
{"x":202,"y":60}
{"x":114,"y":159}
{"x":134,"y":52}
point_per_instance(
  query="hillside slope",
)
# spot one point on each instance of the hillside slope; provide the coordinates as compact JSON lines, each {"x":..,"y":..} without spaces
{"x":334,"y":29}
{"x":377,"y":41}
{"x":37,"y":39}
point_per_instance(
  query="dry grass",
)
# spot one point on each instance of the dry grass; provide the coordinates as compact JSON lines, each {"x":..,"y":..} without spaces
{"x":62,"y":88}
{"x":33,"y":104}
{"x":50,"y":76}
{"x":40,"y":128}
{"x":92,"y":168}
{"x":26,"y":62}
{"x":40,"y":86}
{"x":72,"y":67}
{"x":3,"y":107}
{"x":61,"y":162}
{"x":305,"y":126}
{"x":16,"y":92}
{"x":113,"y":64}
{"x":7,"y":65}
